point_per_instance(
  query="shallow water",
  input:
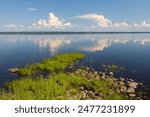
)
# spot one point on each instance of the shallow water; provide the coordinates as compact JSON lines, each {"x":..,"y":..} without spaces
{"x":129,"y":50}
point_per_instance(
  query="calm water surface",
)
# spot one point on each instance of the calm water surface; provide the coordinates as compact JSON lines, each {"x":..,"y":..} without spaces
{"x":129,"y":50}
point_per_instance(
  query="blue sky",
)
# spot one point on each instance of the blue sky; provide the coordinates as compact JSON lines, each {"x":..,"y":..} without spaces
{"x":86,"y":15}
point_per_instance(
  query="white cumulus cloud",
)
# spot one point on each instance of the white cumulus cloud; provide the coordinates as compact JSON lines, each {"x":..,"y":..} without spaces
{"x":142,"y":24}
{"x":11,"y":26}
{"x":121,"y":24}
{"x":99,"y":19}
{"x":52,"y":22}
{"x":14,"y":26}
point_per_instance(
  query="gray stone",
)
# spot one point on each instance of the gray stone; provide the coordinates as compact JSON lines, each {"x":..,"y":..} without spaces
{"x":102,"y":77}
{"x":77,"y":73}
{"x":95,"y":73}
{"x":100,"y":94}
{"x":121,"y":83}
{"x":89,"y":76}
{"x":122,"y":79}
{"x":131,"y":80}
{"x":132,"y":84}
{"x":100,"y":73}
{"x":87,"y":68}
{"x":111,"y":73}
{"x":123,"y":88}
{"x":103,"y":74}
{"x":130,"y":90}
{"x":81,"y":88}
{"x":91,"y":94}
{"x":13,"y":70}
{"x":132,"y":95}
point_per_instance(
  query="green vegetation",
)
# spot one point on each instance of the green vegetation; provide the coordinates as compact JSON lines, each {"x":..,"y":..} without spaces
{"x":58,"y":84}
{"x":52,"y":65}
{"x":113,"y":67}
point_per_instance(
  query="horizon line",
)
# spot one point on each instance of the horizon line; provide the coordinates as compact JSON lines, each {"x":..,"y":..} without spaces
{"x":71,"y":32}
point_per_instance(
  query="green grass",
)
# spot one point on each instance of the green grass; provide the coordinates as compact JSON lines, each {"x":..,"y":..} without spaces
{"x":60,"y":86}
{"x":113,"y":67}
{"x":52,"y":65}
{"x":55,"y":86}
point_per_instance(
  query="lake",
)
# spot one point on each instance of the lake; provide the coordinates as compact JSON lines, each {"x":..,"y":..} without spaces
{"x":130,"y":50}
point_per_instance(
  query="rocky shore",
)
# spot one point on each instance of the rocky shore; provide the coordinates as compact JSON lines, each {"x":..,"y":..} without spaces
{"x":128,"y":87}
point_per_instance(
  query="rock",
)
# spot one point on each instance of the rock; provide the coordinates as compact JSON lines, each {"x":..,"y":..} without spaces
{"x":121,"y":83}
{"x":123,"y":88}
{"x":122,"y":79}
{"x":132,"y":84}
{"x":110,"y":79}
{"x":131,"y":80}
{"x":83,"y":74}
{"x":141,"y":84}
{"x":100,"y":94}
{"x":91,"y":94}
{"x":111,"y":73}
{"x":97,"y":77}
{"x":132,"y":95}
{"x":114,"y":79}
{"x":87,"y":68}
{"x":81,"y":88}
{"x":95,"y":73}
{"x":13,"y":70}
{"x":102,"y":77}
{"x":83,"y":97}
{"x":89,"y":76}
{"x":98,"y":98}
{"x":130,"y":90}
{"x":100,"y":73}
{"x":77,"y":73}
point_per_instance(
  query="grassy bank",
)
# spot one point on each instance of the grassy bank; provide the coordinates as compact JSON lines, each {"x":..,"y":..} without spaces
{"x":57,"y":84}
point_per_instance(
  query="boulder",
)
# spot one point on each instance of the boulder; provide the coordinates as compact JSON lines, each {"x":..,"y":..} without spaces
{"x":95,"y":73}
{"x":122,"y":79}
{"x":91,"y":94}
{"x":121,"y":83}
{"x":130,"y":90}
{"x":111,"y":73}
{"x":123,"y":88}
{"x":132,"y":95}
{"x":132,"y":84}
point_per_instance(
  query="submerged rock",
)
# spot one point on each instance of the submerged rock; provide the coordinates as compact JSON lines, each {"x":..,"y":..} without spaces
{"x":13,"y":70}
{"x":111,"y":73}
